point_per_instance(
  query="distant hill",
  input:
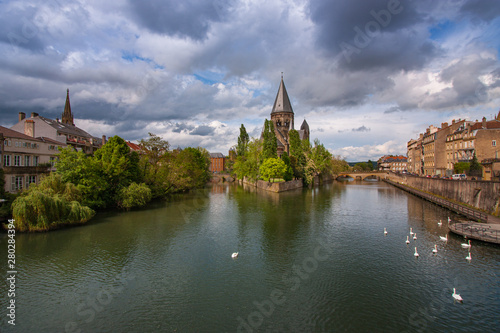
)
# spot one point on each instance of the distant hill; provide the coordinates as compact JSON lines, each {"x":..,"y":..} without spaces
{"x":351,"y":164}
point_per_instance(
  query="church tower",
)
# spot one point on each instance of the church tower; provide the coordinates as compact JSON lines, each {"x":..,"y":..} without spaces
{"x":282,"y":116}
{"x":67,"y":116}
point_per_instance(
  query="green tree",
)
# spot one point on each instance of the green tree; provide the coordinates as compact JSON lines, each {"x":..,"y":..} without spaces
{"x":243,"y":140}
{"x":154,"y":164}
{"x":461,"y":167}
{"x":135,"y":195}
{"x":475,"y":169}
{"x":272,"y":168}
{"x":48,"y":205}
{"x":339,"y":165}
{"x":188,"y":168}
{"x":297,"y":155}
{"x":248,"y":165}
{"x":85,"y":172}
{"x":322,"y":158}
{"x":289,"y":172}
{"x":270,"y":144}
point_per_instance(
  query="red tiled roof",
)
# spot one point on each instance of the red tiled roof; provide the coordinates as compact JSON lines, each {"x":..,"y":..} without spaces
{"x":9,"y":133}
{"x":133,"y":146}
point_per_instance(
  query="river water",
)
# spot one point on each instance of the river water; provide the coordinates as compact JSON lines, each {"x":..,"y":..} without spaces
{"x":314,"y":260}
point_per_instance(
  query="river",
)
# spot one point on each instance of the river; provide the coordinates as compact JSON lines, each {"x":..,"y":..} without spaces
{"x":312,"y":260}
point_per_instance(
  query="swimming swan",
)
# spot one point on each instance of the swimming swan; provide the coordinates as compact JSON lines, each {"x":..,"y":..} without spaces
{"x":234,"y":255}
{"x":416,"y":253}
{"x":444,"y":239}
{"x":456,"y":296}
{"x":466,"y":245}
{"x":407,"y":239}
{"x":435,"y":250}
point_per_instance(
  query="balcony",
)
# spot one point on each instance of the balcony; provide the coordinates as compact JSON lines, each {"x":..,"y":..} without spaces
{"x":26,"y":169}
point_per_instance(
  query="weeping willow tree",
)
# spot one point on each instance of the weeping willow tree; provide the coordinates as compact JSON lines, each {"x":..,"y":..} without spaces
{"x":48,"y":205}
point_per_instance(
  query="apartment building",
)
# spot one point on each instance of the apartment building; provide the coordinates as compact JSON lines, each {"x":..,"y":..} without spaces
{"x":217,"y":162}
{"x":414,"y":154}
{"x":62,"y":130}
{"x":392,"y":163}
{"x":440,"y":148}
{"x":24,"y":158}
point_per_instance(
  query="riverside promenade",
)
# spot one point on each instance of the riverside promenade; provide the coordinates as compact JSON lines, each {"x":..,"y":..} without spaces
{"x":486,"y":229}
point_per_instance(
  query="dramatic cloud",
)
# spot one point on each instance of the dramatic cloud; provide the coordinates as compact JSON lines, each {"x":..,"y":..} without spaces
{"x":367,"y":75}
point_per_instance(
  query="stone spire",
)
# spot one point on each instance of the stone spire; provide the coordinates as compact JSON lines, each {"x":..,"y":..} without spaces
{"x":67,"y":116}
{"x":282,"y":102}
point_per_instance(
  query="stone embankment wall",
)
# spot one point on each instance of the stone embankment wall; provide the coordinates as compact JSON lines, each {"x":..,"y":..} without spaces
{"x":484,"y":195}
{"x":275,"y":187}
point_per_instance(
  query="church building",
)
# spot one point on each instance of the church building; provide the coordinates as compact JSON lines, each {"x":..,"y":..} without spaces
{"x":282,"y":117}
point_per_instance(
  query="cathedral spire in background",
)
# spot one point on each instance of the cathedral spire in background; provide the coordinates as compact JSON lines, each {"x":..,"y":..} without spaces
{"x":67,"y":116}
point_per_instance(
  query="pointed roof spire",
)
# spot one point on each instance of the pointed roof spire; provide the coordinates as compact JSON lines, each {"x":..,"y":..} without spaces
{"x":67,"y":116}
{"x":282,"y":102}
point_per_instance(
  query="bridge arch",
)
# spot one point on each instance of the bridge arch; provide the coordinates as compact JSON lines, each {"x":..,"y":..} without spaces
{"x":363,"y":175}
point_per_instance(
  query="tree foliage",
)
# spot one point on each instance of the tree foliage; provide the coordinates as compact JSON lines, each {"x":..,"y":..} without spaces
{"x":461,"y":167}
{"x":269,"y":144}
{"x":248,"y":165}
{"x":475,"y":169}
{"x":272,"y":168}
{"x":48,"y":205}
{"x":135,"y":195}
{"x":243,"y":141}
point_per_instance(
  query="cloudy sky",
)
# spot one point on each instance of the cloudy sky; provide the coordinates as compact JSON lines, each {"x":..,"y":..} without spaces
{"x":366,"y":75}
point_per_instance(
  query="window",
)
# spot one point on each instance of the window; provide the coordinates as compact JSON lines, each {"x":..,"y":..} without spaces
{"x":6,"y":160}
{"x":52,"y":160}
{"x":493,"y":143}
{"x":26,"y":160}
{"x":30,"y":180}
{"x":17,"y":183}
{"x":17,"y":160}
{"x":35,"y":160}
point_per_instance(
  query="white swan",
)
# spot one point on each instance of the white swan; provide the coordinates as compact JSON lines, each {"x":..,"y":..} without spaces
{"x":435,"y":250}
{"x":407,"y":239}
{"x":439,"y":223}
{"x":466,"y":245}
{"x":416,"y":253}
{"x":411,"y":231}
{"x":415,"y":236}
{"x":444,"y":239}
{"x":385,"y":231}
{"x":469,"y":257}
{"x":456,"y":296}
{"x":234,"y":255}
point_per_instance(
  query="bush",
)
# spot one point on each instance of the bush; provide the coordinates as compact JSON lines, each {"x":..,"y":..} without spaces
{"x":39,"y":211}
{"x":135,"y":195}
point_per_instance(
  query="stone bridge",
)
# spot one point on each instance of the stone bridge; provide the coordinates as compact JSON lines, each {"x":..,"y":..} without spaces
{"x":361,"y":175}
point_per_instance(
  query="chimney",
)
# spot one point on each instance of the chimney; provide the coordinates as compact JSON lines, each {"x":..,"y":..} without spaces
{"x":57,"y":119}
{"x":443,"y":125}
{"x":29,"y":128}
{"x":453,"y":121}
{"x":484,"y":122}
{"x":22,"y":115}
{"x":34,"y":114}
{"x":103,"y":140}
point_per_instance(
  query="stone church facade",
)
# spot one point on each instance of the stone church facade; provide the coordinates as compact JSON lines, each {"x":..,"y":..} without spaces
{"x":282,"y":116}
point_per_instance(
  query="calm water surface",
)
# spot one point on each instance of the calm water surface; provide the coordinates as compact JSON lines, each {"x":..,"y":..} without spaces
{"x":309,"y":261}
